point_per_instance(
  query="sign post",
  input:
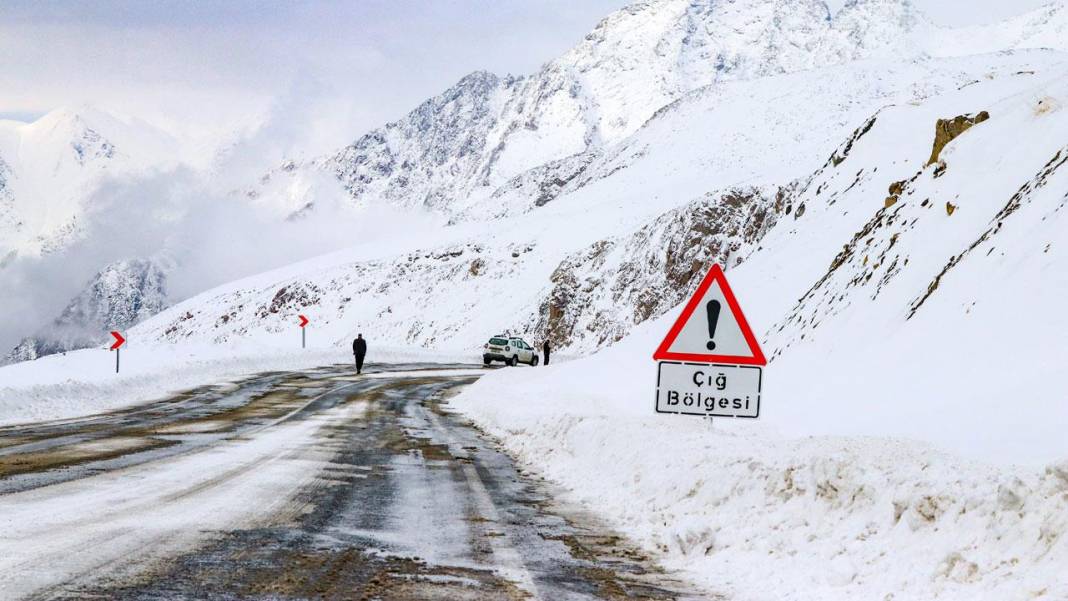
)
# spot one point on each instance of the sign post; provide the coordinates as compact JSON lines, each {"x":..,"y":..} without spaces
{"x":303,"y":332}
{"x":710,"y":363}
{"x":119,"y":341}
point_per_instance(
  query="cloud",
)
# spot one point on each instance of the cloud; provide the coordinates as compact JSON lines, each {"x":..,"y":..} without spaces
{"x":203,"y":233}
{"x":956,"y":13}
{"x":210,"y":70}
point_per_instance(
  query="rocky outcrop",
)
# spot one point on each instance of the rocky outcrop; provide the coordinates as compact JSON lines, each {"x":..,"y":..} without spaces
{"x":91,"y":146}
{"x":600,"y":293}
{"x":946,"y":130}
{"x":1021,"y":197}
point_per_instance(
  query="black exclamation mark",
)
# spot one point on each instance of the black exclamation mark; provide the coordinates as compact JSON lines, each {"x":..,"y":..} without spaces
{"x":713,"y":317}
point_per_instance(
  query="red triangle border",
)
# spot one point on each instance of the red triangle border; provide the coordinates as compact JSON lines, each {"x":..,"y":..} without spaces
{"x":714,"y":275}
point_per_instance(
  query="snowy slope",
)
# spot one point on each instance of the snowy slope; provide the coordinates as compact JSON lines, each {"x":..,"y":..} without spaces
{"x":584,"y":268}
{"x":949,"y":270}
{"x":898,"y":330}
{"x":460,"y":151}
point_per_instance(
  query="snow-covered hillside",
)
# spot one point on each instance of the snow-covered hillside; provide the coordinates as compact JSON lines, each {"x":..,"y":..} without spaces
{"x":662,"y":104}
{"x":462,"y":151}
{"x":620,"y":243}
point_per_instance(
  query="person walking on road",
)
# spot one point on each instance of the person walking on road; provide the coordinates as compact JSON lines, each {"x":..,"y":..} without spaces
{"x":359,"y":350}
{"x":545,"y":351}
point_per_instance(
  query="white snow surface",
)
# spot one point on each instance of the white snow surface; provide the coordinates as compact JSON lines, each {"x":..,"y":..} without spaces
{"x":756,"y":514}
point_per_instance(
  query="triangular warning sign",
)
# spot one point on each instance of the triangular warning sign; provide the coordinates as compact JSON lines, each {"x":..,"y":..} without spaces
{"x":711,"y":328}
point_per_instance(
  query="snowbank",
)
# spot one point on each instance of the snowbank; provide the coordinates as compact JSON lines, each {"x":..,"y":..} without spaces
{"x":756,"y":514}
{"x":85,"y":382}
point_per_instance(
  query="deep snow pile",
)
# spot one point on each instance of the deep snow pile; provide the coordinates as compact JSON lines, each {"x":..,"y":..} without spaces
{"x":754,"y":514}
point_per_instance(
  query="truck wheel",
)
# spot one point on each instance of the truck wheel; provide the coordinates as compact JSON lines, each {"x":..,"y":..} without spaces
{"x":486,"y":362}
{"x":534,"y":362}
{"x":513,"y":361}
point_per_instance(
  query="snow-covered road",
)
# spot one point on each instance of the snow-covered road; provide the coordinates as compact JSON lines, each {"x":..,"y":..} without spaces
{"x":296,"y":485}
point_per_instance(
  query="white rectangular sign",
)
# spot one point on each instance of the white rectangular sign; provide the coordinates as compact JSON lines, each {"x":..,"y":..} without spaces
{"x":713,"y":390}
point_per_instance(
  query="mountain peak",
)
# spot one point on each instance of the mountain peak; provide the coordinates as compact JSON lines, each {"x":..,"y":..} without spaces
{"x":456,"y":149}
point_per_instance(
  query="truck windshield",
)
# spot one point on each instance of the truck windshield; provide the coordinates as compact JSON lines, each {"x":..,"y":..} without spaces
{"x":498,"y":341}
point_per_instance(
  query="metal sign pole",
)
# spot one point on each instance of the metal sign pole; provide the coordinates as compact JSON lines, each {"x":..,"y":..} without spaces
{"x":117,"y":351}
{"x":303,"y":338}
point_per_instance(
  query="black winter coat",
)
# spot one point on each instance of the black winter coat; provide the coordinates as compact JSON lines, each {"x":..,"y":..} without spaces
{"x":359,"y":347}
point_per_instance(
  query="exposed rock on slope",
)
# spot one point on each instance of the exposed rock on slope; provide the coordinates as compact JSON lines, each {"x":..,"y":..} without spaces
{"x":938,"y":224}
{"x":435,"y":152}
{"x":946,"y":130}
{"x":600,"y":293}
{"x":1025,"y":194}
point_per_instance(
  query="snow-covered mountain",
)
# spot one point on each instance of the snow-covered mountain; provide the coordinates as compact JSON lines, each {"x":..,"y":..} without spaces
{"x":463,"y":151}
{"x":577,"y":194}
{"x":50,"y":168}
{"x":708,"y":178}
{"x":121,"y":295}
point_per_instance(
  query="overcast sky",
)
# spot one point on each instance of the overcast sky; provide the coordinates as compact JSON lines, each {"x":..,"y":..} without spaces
{"x":217,"y":66}
{"x":208,"y":64}
{"x":966,"y":12}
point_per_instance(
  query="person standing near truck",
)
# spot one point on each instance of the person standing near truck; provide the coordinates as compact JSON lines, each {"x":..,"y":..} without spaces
{"x":359,"y":351}
{"x":545,"y":351}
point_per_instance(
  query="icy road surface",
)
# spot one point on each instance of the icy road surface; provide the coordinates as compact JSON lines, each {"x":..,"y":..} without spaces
{"x":297,"y":485}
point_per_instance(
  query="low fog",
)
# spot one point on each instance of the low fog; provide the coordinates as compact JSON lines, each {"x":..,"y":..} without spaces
{"x":201,"y":233}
